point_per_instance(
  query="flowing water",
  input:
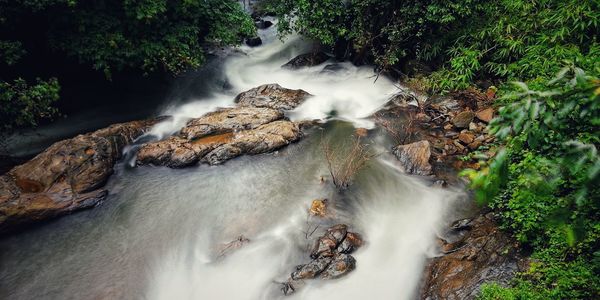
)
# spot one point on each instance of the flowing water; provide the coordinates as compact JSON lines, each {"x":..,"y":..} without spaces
{"x":161,"y":232}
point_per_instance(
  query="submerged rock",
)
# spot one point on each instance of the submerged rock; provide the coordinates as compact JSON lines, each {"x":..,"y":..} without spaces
{"x":484,"y":254}
{"x":415,"y":157}
{"x":306,"y":60}
{"x":67,"y":176}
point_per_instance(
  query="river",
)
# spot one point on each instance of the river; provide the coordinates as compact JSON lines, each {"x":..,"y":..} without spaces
{"x":159,"y":233}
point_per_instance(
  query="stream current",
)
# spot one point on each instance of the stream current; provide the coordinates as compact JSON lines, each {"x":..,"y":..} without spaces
{"x":160,"y":232}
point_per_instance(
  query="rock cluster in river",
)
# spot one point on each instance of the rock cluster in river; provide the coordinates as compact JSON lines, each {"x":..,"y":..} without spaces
{"x":331,"y":258}
{"x":67,"y":176}
{"x":256,"y":125}
{"x":481,"y":253}
{"x":446,"y":128}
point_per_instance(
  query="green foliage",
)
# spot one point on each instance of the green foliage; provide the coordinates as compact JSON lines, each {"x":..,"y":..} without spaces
{"x":109,"y":36}
{"x":148,"y":34}
{"x":11,"y":52}
{"x":545,"y":184}
{"x":466,"y":39}
{"x":24,"y":105}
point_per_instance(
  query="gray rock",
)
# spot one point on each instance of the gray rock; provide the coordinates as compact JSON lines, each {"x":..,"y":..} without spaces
{"x":415,"y":157}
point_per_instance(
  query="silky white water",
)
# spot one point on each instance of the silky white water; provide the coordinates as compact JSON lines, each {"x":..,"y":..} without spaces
{"x":160,"y":233}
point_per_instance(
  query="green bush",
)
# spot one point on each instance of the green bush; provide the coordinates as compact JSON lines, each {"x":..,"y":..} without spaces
{"x":544,"y":185}
{"x":464,"y":39}
{"x":109,"y":36}
{"x":24,"y":105}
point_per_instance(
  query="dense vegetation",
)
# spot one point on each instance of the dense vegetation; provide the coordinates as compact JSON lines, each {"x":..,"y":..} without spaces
{"x":108,"y":36}
{"x":544,"y":183}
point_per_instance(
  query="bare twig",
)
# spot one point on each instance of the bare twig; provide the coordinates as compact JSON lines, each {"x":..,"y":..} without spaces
{"x":343,"y":165}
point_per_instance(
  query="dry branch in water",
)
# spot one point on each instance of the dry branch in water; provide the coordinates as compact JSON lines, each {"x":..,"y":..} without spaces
{"x":344,"y":164}
{"x":400,"y":131}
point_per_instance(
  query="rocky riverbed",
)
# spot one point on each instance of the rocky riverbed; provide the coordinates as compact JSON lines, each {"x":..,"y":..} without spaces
{"x":432,"y":139}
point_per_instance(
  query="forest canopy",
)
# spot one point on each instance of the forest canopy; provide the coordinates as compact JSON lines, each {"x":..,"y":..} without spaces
{"x":108,"y":36}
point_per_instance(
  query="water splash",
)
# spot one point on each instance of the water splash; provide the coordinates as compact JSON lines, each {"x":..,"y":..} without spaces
{"x":340,"y":89}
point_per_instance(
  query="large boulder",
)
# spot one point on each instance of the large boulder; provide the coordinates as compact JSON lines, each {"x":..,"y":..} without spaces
{"x":306,"y":60}
{"x":67,"y":176}
{"x":414,"y":157}
{"x":272,"y":96}
{"x":228,"y":120}
{"x":256,"y":125}
{"x":177,"y":152}
{"x":483,"y":254}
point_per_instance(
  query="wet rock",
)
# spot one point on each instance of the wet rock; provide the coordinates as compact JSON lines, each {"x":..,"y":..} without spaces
{"x":414,"y":157}
{"x":263,"y":24}
{"x":485,"y":254}
{"x":306,"y":60}
{"x":462,"y":224}
{"x":463,"y":119}
{"x":228,"y":120}
{"x":341,"y":265}
{"x":254,"y":41}
{"x":331,"y":258}
{"x":318,"y":208}
{"x":66,"y":177}
{"x":177,"y":151}
{"x":263,"y":139}
{"x":485,"y":115}
{"x":326,"y":244}
{"x":255,"y":126}
{"x":352,"y":242}
{"x":312,"y":269}
{"x":272,"y":96}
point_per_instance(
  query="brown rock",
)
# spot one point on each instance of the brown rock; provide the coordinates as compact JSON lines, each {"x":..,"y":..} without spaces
{"x":462,"y":119}
{"x":361,"y":132}
{"x":341,"y":265}
{"x":466,"y":137}
{"x":474,"y":145}
{"x":67,"y":176}
{"x":228,"y":120}
{"x":415,"y":157}
{"x":318,"y":207}
{"x":331,"y":258}
{"x":272,"y":96}
{"x":485,"y":254}
{"x":179,"y":152}
{"x":485,"y":115}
